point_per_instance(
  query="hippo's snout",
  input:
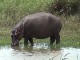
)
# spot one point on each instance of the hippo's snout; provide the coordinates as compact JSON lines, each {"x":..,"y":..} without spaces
{"x":14,"y":44}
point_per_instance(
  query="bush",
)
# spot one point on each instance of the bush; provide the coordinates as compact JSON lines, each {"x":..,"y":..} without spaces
{"x":64,"y":7}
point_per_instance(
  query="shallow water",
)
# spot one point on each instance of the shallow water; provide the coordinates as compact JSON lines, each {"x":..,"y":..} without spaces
{"x":38,"y":52}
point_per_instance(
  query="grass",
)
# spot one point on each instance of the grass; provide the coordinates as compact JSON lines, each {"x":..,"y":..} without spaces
{"x":12,"y":11}
{"x":70,"y":33}
{"x":15,"y":10}
{"x":5,"y":36}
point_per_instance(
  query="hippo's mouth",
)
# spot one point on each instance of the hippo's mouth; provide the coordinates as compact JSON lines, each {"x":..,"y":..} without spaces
{"x":16,"y":43}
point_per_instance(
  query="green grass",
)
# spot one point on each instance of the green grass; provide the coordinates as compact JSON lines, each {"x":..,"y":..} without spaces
{"x":5,"y":41}
{"x":12,"y":11}
{"x":70,"y":33}
{"x":5,"y":36}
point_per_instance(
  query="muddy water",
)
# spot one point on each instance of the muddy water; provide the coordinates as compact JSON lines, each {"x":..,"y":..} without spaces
{"x":38,"y":52}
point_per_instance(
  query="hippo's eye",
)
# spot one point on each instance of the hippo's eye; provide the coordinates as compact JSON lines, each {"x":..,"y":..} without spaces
{"x":16,"y":32}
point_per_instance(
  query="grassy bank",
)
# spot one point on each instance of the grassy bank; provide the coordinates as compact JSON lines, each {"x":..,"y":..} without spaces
{"x":70,"y":33}
{"x":12,"y":11}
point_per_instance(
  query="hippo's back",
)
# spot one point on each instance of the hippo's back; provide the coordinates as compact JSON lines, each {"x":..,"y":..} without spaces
{"x":41,"y":25}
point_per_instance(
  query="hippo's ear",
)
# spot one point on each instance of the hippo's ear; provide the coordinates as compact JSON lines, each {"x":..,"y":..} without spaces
{"x":12,"y":31}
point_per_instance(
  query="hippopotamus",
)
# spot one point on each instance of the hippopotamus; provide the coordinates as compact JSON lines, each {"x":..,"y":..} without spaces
{"x":39,"y":25}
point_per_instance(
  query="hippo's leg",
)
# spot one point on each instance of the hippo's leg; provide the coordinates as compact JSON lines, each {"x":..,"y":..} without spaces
{"x":31,"y":41}
{"x":52,"y":40}
{"x":26,"y":41}
{"x":57,"y":37}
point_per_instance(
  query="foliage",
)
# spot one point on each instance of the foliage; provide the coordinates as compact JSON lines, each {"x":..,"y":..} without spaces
{"x":68,"y":7}
{"x":12,"y":11}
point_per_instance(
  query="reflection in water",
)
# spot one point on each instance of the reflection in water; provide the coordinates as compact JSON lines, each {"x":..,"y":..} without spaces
{"x":38,"y":52}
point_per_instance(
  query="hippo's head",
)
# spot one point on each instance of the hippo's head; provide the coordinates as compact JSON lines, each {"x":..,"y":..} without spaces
{"x":16,"y":36}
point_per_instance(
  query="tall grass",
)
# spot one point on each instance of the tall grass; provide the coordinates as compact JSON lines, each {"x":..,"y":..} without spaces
{"x":5,"y":38}
{"x":70,"y":34}
{"x":15,"y":10}
{"x":12,"y":11}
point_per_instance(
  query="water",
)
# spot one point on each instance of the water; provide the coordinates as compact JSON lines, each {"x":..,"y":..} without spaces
{"x":38,"y":52}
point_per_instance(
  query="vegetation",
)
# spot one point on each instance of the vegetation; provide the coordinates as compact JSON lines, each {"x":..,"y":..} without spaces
{"x":71,"y":31}
{"x":12,"y":11}
{"x":67,"y":7}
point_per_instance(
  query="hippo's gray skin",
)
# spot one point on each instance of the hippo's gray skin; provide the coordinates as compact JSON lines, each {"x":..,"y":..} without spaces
{"x":39,"y":25}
